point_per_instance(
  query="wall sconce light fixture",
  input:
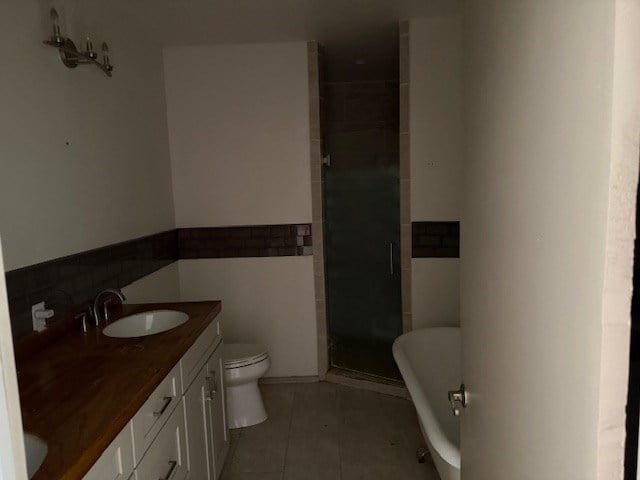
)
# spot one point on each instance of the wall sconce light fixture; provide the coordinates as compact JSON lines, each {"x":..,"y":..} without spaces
{"x":71,"y":56}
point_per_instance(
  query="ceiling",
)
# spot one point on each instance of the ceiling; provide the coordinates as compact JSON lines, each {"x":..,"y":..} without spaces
{"x":360,"y":36}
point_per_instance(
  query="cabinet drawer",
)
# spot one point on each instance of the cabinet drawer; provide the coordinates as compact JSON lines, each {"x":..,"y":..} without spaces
{"x":148,"y":421}
{"x":166,"y":458}
{"x":116,"y":463}
{"x":197,"y":355}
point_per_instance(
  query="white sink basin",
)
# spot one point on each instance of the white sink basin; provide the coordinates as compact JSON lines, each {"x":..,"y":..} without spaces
{"x":145,"y":323}
{"x":35,"y":450}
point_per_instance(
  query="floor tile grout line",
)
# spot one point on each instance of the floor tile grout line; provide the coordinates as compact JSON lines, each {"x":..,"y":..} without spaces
{"x":342,"y":402}
{"x":229,"y":460}
{"x":340,"y":427}
{"x":286,"y":450}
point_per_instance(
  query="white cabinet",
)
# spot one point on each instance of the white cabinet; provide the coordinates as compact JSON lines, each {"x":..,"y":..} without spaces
{"x":208,"y":437}
{"x":216,"y":418}
{"x":199,"y":352}
{"x":116,"y":463}
{"x":195,"y":411}
{"x":167,"y":455}
{"x":180,"y":432}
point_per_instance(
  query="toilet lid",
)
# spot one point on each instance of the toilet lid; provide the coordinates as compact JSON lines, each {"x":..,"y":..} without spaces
{"x":241,"y":354}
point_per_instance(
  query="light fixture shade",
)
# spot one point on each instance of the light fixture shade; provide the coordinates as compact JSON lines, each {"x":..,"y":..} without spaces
{"x":57,"y":38}
{"x":71,"y":56}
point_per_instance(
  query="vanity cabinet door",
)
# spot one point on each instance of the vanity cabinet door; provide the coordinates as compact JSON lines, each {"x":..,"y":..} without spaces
{"x":116,"y":463}
{"x":217,"y":422}
{"x":167,"y":455}
{"x":198,"y":447}
{"x":197,"y":355}
{"x":148,"y":421}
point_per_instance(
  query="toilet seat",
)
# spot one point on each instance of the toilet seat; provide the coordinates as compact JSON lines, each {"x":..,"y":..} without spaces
{"x":238,"y":355}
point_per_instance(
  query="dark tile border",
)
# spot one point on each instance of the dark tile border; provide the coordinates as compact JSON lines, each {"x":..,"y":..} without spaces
{"x":66,"y":282}
{"x":435,"y":239}
{"x":245,"y":241}
{"x":74,"y":280}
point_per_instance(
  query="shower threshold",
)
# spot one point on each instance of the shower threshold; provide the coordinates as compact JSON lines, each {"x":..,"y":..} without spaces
{"x":351,"y":378}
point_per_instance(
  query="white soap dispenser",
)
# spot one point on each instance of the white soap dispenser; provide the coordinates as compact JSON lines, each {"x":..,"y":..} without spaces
{"x":39,"y":316}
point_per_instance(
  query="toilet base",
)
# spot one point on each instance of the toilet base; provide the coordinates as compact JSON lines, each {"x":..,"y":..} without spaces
{"x":244,"y":405}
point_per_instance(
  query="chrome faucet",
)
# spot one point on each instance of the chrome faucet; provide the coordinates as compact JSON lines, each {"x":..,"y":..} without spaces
{"x":96,"y":303}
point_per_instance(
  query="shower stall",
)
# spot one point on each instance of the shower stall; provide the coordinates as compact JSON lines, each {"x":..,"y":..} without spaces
{"x":362,"y":225}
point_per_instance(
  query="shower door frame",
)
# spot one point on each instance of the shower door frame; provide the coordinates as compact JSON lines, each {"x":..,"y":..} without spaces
{"x":315,"y":73}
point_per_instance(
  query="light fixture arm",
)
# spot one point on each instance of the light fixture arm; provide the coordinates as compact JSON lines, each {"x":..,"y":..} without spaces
{"x":69,"y":54}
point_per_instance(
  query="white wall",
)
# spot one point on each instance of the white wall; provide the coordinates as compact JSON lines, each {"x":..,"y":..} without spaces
{"x":84,"y":158}
{"x":435,"y":291}
{"x":435,"y":80}
{"x":436,"y":151}
{"x":239,"y":136}
{"x":264,"y":300}
{"x":160,"y":286}
{"x":239,"y":133}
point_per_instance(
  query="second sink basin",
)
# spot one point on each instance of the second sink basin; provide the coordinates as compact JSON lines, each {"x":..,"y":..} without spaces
{"x":145,"y":323}
{"x":35,"y":451}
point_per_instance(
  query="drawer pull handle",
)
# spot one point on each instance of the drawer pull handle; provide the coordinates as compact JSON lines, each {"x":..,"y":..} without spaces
{"x":212,"y":386}
{"x":172,"y":466}
{"x":165,"y":405}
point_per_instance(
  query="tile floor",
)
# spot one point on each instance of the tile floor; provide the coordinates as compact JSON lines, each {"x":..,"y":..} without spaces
{"x":321,"y":431}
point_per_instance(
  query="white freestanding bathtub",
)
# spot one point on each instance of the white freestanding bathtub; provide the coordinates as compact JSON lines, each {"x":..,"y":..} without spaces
{"x":429,"y":360}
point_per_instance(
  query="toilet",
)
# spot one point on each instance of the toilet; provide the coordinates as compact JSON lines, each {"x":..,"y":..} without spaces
{"x":244,"y":364}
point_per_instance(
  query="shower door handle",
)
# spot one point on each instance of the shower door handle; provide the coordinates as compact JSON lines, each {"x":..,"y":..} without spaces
{"x":391,"y":258}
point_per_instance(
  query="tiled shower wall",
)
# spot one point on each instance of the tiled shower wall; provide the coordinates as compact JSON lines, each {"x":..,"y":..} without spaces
{"x":316,"y":112}
{"x":405,"y":176}
{"x":360,"y":126}
{"x":358,"y":106}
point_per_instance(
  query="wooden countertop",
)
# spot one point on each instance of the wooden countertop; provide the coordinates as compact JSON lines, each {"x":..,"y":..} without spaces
{"x":81,"y":391}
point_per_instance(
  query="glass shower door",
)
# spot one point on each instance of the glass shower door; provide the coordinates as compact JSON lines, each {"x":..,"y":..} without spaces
{"x":362,"y":233}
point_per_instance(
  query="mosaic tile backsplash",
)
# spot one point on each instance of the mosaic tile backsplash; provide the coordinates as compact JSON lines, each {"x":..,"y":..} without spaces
{"x":435,"y":239}
{"x":246,"y":241}
{"x":66,"y":282}
{"x":76,"y":279}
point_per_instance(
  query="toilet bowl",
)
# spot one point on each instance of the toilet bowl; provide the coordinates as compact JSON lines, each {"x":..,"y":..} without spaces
{"x":244,"y":364}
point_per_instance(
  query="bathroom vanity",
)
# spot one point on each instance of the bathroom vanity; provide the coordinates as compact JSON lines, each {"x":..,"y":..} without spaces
{"x":131,"y":408}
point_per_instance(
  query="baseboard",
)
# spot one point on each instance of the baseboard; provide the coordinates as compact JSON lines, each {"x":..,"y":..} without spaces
{"x":367,"y":382}
{"x":270,"y":380}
